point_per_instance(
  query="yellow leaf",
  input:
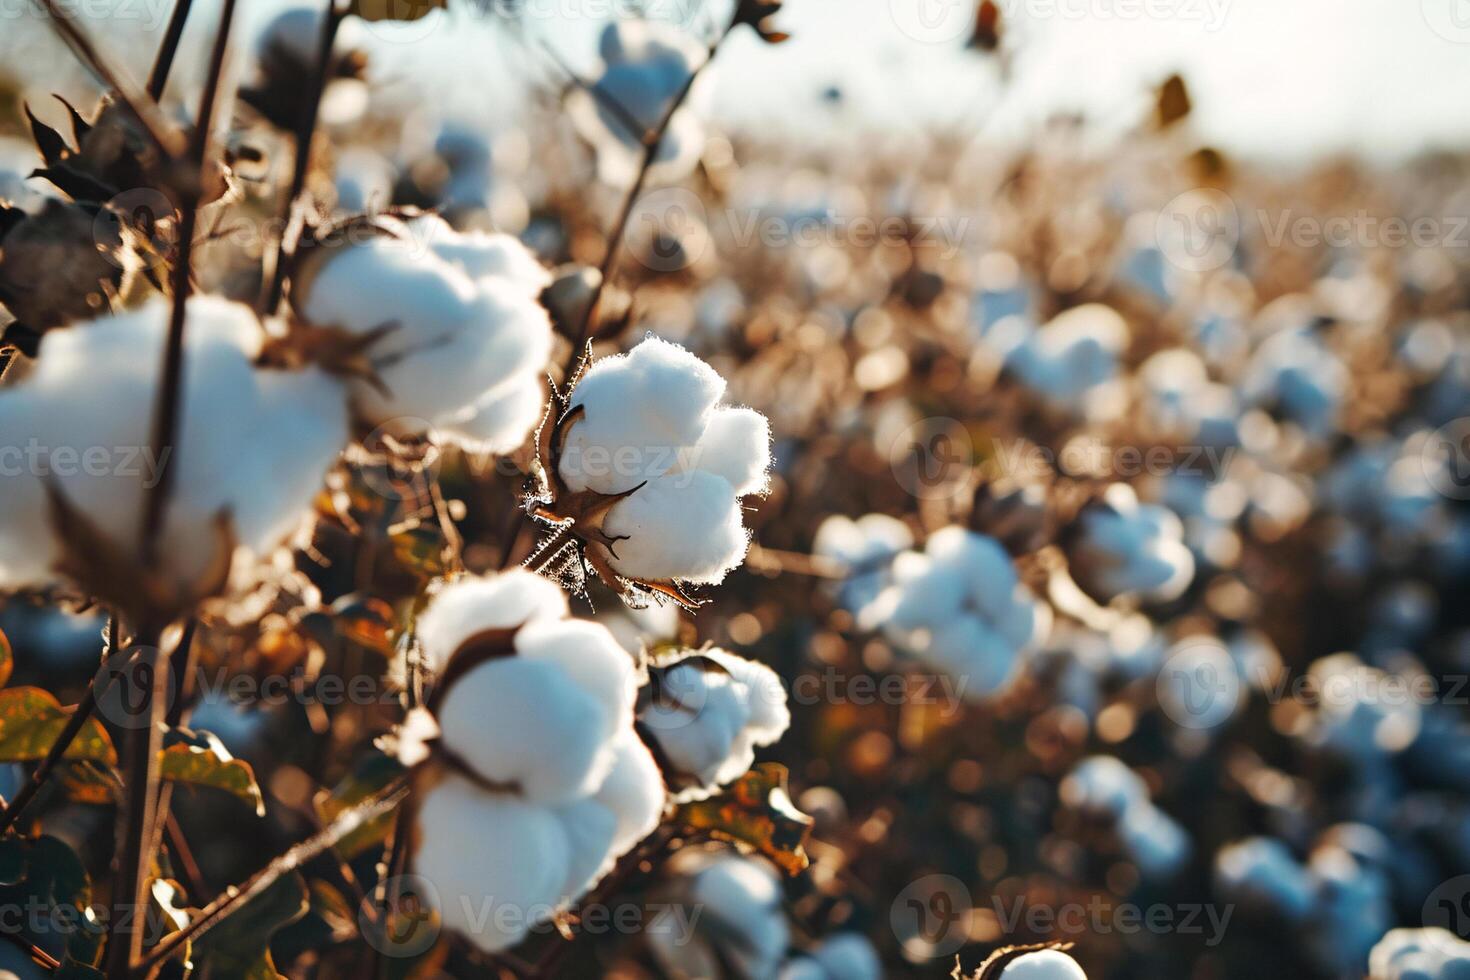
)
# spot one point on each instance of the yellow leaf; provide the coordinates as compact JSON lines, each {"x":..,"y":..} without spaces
{"x":200,"y":759}
{"x":31,"y":720}
{"x":7,"y":660}
{"x":375,"y":10}
{"x":755,"y":810}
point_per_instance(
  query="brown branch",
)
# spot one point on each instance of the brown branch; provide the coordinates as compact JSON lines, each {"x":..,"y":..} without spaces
{"x":222,"y":907}
{"x":163,"y":62}
{"x":69,"y":732}
{"x":279,"y":258}
{"x":651,"y":142}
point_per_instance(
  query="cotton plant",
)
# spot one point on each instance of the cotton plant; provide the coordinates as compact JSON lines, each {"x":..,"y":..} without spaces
{"x":1431,"y":953}
{"x":960,"y":607}
{"x":1121,"y":547}
{"x":706,"y":712}
{"x":741,"y":920}
{"x":841,"y":956}
{"x":1295,"y":373}
{"x":1072,"y":362}
{"x":1180,"y":401}
{"x":1104,"y":788}
{"x":530,"y":732}
{"x":252,"y":452}
{"x":644,"y":67}
{"x":864,"y":550}
{"x":443,"y":328}
{"x":1042,"y":964}
{"x":647,"y":467}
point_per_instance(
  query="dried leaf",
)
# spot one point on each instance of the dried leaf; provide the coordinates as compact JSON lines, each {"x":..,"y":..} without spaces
{"x":756,"y":811}
{"x":366,"y":620}
{"x":1173,"y":102}
{"x":31,"y":720}
{"x":7,"y":660}
{"x":201,"y":759}
{"x":400,"y":10}
{"x":372,"y":774}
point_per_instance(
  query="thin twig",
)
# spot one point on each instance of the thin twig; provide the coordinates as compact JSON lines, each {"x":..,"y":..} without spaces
{"x":278,"y":259}
{"x":651,"y":143}
{"x":163,"y":62}
{"x":234,"y":897}
{"x":69,"y":733}
{"x":143,"y":109}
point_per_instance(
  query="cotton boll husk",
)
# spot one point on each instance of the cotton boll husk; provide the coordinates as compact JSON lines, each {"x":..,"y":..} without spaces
{"x":590,"y":827}
{"x":521,"y":721}
{"x":634,"y":792}
{"x":253,"y":444}
{"x":591,"y":658}
{"x":477,"y":847}
{"x":501,"y":422}
{"x":655,"y":400}
{"x":458,"y":340}
{"x":737,"y":446}
{"x":481,"y":255}
{"x":1044,"y":964}
{"x":472,"y":605}
{"x":685,"y":526}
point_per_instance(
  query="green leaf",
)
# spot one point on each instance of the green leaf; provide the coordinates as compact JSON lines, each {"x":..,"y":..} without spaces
{"x":375,"y":10}
{"x":371,"y":774}
{"x":31,"y":720}
{"x":201,"y":759}
{"x":55,"y":880}
{"x":239,"y":947}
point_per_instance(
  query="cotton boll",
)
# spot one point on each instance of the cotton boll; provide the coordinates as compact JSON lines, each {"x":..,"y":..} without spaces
{"x":1155,"y":842}
{"x":866,"y":546}
{"x":634,"y":792}
{"x":646,"y":64}
{"x":591,"y":659}
{"x":1044,"y":964}
{"x":1295,"y":372}
{"x":589,"y":827}
{"x":457,"y":339}
{"x":481,"y":255}
{"x":685,"y":526}
{"x":737,"y":446}
{"x":1260,"y":871}
{"x":522,"y":866}
{"x":1073,"y":357}
{"x":742,"y":899}
{"x":1420,"y":954}
{"x":253,"y":445}
{"x":501,"y":422}
{"x":1127,"y":548}
{"x":642,"y":409}
{"x":848,"y":956}
{"x":519,"y":721}
{"x":473,"y":605}
{"x":1104,"y":786}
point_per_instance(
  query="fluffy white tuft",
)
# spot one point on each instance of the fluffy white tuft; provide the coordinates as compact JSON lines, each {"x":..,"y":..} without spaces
{"x":1044,"y":964}
{"x":1128,"y":548}
{"x":471,"y":605}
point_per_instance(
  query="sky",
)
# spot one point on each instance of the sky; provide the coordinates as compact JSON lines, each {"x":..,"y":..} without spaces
{"x":1271,"y":78}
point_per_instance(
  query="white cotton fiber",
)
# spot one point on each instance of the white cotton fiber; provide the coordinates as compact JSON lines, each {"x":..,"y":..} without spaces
{"x":709,"y":722}
{"x":472,"y":605}
{"x":499,"y":423}
{"x":1260,"y":871}
{"x":1420,"y":954}
{"x":634,"y":792}
{"x":589,"y":656}
{"x":645,"y":66}
{"x":641,"y":410}
{"x":741,"y":900}
{"x":685,"y":526}
{"x":514,"y":720}
{"x":463,"y":335}
{"x":959,"y":606}
{"x":486,"y":853}
{"x":848,"y":956}
{"x":737,"y":446}
{"x":1073,"y":358}
{"x":1044,"y":964}
{"x":589,"y":827}
{"x":866,"y":547}
{"x":253,"y":444}
{"x":482,"y":255}
{"x":1103,"y":786}
{"x":1128,"y":548}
